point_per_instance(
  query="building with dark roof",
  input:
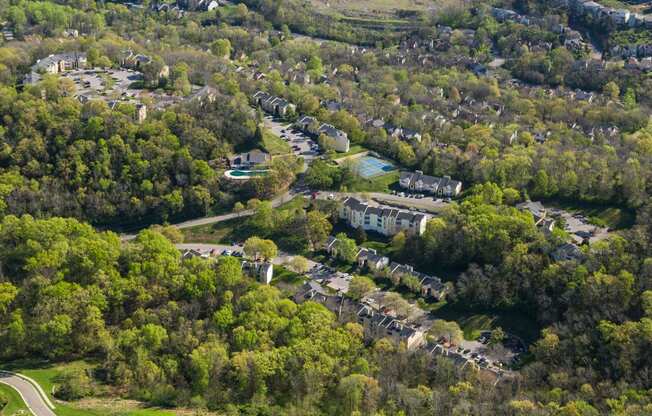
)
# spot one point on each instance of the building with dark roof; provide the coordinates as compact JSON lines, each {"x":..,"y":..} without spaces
{"x":417,"y":181}
{"x":383,"y":220}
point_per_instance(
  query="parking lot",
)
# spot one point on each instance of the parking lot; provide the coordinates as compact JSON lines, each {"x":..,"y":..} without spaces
{"x":579,"y":228}
{"x":107,"y":84}
{"x":301,"y":144}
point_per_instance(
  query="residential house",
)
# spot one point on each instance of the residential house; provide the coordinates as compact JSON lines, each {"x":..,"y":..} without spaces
{"x":310,"y":125}
{"x":567,"y":252}
{"x":250,"y":159}
{"x":272,"y":104}
{"x":378,"y":325}
{"x":340,"y":140}
{"x":262,"y":271}
{"x":431,"y":287}
{"x":538,"y":211}
{"x":204,"y":95}
{"x":137,"y":61}
{"x":383,"y":220}
{"x":331,"y":245}
{"x":417,"y":181}
{"x":370,"y":258}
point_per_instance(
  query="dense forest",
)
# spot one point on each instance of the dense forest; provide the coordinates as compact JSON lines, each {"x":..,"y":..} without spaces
{"x":193,"y":333}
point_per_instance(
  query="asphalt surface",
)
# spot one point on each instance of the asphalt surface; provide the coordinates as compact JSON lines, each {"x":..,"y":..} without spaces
{"x":28,"y":392}
{"x":279,"y":200}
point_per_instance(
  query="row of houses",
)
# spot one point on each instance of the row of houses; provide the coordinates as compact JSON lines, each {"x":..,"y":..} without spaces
{"x":402,"y":133}
{"x":417,"y":181}
{"x":310,"y":125}
{"x":376,"y":324}
{"x":384,"y":220}
{"x":431,"y":287}
{"x":272,"y":104}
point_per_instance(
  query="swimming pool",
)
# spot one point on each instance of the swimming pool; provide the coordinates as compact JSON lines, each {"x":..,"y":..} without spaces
{"x":369,"y":166}
{"x":244,"y":174}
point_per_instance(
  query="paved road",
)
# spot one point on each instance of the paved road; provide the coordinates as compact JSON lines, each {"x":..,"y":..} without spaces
{"x":29,"y":393}
{"x":279,"y":200}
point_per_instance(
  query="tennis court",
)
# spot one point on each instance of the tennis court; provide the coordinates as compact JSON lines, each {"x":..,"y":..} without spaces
{"x":369,"y":166}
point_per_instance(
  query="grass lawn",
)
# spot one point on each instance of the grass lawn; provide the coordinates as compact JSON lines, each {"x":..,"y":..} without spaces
{"x":353,"y":150}
{"x":274,"y":144}
{"x":381,"y":247}
{"x":378,"y":8}
{"x":613,"y":217}
{"x":218,"y":233}
{"x":15,"y":404}
{"x":380,"y":183}
{"x":46,"y":375}
{"x":473,"y":322}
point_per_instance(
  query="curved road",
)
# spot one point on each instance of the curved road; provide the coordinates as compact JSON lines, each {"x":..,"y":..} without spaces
{"x":29,"y":394}
{"x":225,"y":217}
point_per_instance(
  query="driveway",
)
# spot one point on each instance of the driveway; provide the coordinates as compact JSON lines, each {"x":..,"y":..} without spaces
{"x":29,"y":394}
{"x":301,"y":144}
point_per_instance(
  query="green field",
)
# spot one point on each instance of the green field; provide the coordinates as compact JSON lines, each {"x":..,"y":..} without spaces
{"x":372,"y":8}
{"x":380,"y":183}
{"x":274,"y":144}
{"x":353,"y":150}
{"x":218,"y":233}
{"x":15,"y":404}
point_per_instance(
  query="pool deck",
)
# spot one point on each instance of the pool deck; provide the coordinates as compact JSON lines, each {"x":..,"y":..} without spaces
{"x":229,"y":174}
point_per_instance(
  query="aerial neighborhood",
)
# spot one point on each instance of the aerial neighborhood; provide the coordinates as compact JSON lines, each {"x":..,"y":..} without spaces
{"x":326,"y":208}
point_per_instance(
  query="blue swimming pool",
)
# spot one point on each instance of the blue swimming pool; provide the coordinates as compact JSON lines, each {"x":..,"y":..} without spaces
{"x":369,"y":166}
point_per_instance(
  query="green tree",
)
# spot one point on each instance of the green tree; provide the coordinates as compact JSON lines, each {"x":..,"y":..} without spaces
{"x":345,"y":249}
{"x":446,"y":329}
{"x":229,"y":271}
{"x":360,"y":286}
{"x":258,"y":248}
{"x":221,"y":48}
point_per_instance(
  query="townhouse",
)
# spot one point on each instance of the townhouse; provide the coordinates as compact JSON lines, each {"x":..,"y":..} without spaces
{"x":383,"y":220}
{"x":430,"y":287}
{"x":262,"y":271}
{"x":376,"y":324}
{"x":272,"y":104}
{"x":417,"y":181}
{"x":310,"y":125}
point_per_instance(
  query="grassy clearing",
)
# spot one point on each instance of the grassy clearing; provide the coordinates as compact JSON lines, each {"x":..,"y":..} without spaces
{"x":371,"y":7}
{"x":380,"y":183}
{"x":613,"y":217}
{"x":15,"y":404}
{"x":353,"y":150}
{"x":274,"y":144}
{"x":218,"y":233}
{"x":473,"y":322}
